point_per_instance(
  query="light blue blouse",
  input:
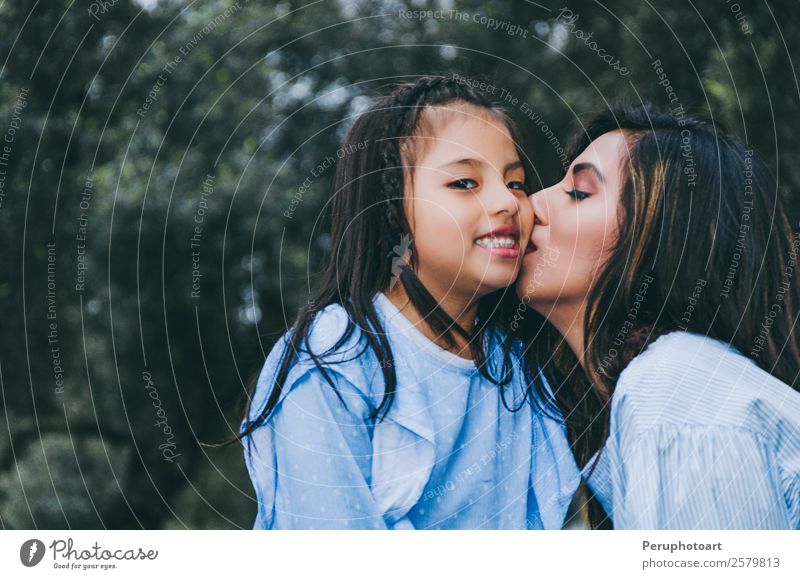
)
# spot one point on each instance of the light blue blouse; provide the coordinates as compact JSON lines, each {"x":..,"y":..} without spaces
{"x":700,"y":438}
{"x":448,"y":454}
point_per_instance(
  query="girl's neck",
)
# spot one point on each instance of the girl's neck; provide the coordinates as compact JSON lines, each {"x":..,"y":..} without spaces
{"x":462,"y":311}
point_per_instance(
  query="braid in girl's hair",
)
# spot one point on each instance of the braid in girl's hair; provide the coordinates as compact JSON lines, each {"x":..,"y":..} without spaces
{"x":405,"y":105}
{"x":368,"y":223}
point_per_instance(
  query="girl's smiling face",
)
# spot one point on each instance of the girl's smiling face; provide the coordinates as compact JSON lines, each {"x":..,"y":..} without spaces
{"x":466,"y":202}
{"x":574,"y":229}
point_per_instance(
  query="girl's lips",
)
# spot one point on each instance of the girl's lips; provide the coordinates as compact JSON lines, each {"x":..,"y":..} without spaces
{"x":509,"y":252}
{"x":511,"y":230}
{"x":502,"y":241}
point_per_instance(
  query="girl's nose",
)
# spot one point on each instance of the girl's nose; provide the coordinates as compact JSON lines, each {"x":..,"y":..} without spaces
{"x":503,"y":200}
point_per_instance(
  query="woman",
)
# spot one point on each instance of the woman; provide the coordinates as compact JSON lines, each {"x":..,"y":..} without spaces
{"x":664,"y":297}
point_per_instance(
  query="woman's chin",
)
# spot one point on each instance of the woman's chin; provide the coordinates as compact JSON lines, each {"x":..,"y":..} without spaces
{"x":530,"y":289}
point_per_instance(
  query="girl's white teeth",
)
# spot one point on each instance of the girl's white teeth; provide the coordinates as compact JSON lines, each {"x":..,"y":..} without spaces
{"x":496,"y":242}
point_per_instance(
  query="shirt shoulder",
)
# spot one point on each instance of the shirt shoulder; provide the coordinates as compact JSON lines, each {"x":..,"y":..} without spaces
{"x":338,"y":346}
{"x":686,"y":379}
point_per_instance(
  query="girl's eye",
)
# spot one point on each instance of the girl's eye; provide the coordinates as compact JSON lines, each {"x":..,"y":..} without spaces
{"x":520,"y":186}
{"x":577,"y":195}
{"x":464,"y":184}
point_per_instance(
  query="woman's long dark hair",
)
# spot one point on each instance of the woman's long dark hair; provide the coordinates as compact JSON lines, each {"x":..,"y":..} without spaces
{"x":701,"y":223}
{"x":367,"y":223}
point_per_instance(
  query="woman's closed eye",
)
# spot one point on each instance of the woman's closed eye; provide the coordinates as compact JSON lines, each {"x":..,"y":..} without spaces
{"x":576,"y":194}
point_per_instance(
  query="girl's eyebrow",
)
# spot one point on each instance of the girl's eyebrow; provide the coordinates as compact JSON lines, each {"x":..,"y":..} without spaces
{"x":513,"y":165}
{"x":477,"y":162}
{"x":469,"y":162}
{"x":588,"y":167}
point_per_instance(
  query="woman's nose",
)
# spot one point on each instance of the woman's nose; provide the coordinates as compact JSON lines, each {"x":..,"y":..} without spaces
{"x":540,"y":208}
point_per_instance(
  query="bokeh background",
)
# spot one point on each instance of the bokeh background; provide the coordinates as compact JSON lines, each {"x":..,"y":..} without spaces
{"x":163,"y":181}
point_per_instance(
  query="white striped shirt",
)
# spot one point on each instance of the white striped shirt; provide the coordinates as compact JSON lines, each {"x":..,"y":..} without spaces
{"x":700,"y":438}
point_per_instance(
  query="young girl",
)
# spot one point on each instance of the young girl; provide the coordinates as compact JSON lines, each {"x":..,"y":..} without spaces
{"x":665,"y":287}
{"x":394,"y":401}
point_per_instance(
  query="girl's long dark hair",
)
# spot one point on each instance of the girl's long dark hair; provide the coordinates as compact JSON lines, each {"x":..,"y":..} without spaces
{"x":367,"y":223}
{"x":700,"y":219}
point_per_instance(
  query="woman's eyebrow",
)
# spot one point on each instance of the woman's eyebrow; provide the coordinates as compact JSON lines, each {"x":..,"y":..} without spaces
{"x":588,"y":167}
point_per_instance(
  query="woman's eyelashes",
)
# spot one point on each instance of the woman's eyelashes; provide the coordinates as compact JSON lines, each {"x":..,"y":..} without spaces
{"x":576,"y":194}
